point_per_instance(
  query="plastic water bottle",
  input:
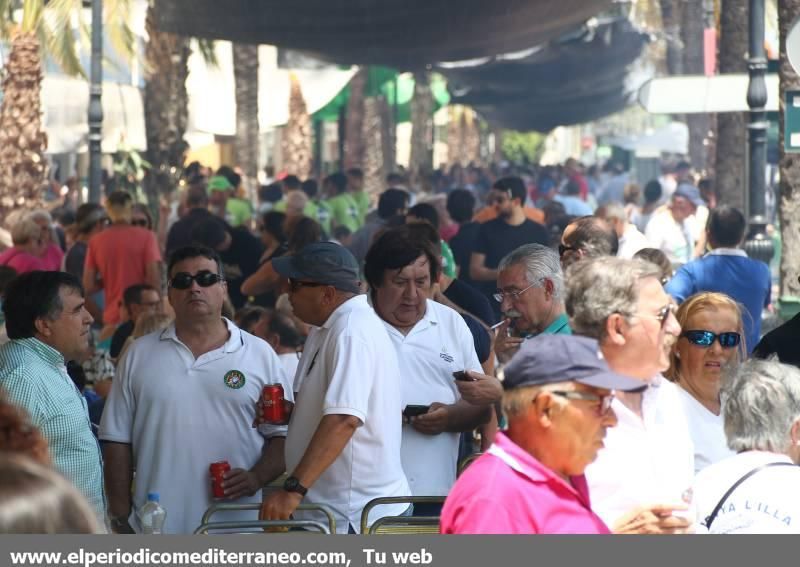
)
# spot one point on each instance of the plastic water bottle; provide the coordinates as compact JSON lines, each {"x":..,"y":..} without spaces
{"x":152,"y":515}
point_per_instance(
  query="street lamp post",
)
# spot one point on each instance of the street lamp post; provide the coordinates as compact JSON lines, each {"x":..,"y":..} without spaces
{"x":95,"y":104}
{"x":758,"y":245}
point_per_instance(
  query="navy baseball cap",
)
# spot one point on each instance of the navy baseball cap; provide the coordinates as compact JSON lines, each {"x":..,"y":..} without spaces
{"x":548,"y":359}
{"x":327,"y":263}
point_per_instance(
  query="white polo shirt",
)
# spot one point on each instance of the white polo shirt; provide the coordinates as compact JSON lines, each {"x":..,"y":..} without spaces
{"x":290,"y":362}
{"x":181,"y":414}
{"x":349,"y":367}
{"x":644,"y":462}
{"x":438,"y":345}
{"x":707,"y":431}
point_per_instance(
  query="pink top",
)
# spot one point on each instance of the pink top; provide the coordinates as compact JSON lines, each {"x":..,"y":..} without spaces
{"x":20,"y":260}
{"x":507,"y":491}
{"x":53,"y":257}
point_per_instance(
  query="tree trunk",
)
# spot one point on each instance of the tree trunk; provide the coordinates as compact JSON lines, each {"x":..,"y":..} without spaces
{"x":354,"y":141}
{"x":247,"y":142}
{"x":692,"y":32}
{"x":373,"y":162}
{"x":22,"y":140}
{"x":789,"y":211}
{"x":731,"y":173}
{"x":297,"y":139}
{"x":670,"y":18}
{"x":388,"y":135}
{"x":421,"y":160}
{"x":166,"y":106}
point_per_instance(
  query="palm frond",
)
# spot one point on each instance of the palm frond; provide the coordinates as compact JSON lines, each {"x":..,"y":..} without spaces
{"x":6,"y":18}
{"x":60,"y":40}
{"x":32,"y":12}
{"x":117,"y":14}
{"x":207,"y":49}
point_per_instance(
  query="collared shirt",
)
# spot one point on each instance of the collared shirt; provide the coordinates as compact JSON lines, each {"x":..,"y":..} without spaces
{"x":675,"y":239}
{"x":349,"y":367}
{"x":645,"y":461}
{"x":180,"y":414}
{"x":35,"y":376}
{"x":559,"y":326}
{"x":508,"y":491}
{"x":631,"y":242}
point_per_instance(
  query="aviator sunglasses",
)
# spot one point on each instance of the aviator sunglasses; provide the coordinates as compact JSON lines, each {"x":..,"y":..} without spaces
{"x":706,"y":338}
{"x":204,"y":278}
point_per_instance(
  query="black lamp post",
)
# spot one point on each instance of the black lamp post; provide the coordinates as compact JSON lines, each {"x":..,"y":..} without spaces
{"x":758,"y":245}
{"x":95,"y":104}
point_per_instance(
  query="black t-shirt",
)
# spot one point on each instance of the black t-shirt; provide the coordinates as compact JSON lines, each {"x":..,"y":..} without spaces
{"x":781,"y":341}
{"x":480,"y":338}
{"x":462,"y":245}
{"x":180,"y":234}
{"x":471,"y":299}
{"x":120,"y":336}
{"x":76,"y":258}
{"x":240,"y":261}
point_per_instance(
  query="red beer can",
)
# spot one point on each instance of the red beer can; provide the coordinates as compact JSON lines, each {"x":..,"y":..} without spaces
{"x":272,"y":406}
{"x":216,"y":470}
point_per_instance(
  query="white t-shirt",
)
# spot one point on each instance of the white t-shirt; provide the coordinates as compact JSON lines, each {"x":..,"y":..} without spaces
{"x":707,"y":431}
{"x":644,"y":462}
{"x":438,"y":345}
{"x":349,"y":367}
{"x":675,"y":240}
{"x":766,"y":503}
{"x":181,"y":414}
{"x":631,"y":242}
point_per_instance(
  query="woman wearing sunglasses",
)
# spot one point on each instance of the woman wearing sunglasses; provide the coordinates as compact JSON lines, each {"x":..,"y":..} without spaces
{"x":712,"y":337}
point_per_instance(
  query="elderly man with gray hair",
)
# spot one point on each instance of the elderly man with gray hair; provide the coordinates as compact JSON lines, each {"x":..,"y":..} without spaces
{"x":630,"y":239}
{"x":755,"y":491}
{"x":531,"y":295}
{"x":640,"y":481}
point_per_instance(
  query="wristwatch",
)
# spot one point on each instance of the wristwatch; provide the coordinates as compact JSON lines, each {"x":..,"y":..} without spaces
{"x":293,"y":485}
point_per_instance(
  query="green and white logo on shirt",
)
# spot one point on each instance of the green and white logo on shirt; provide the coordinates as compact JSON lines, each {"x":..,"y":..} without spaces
{"x":234,"y":379}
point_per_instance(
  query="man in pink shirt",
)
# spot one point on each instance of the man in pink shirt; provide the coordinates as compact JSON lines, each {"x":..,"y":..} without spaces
{"x":120,"y":256}
{"x":558,"y":394}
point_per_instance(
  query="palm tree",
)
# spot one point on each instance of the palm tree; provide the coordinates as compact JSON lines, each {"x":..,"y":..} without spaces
{"x":354,"y":143}
{"x":731,"y":128}
{"x":422,"y":106}
{"x":788,"y":11}
{"x":46,"y":28}
{"x":296,"y":140}
{"x":246,"y":143}
{"x":692,"y":31}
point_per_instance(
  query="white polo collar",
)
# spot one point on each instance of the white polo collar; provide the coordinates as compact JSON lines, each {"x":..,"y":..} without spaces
{"x":234,"y":342}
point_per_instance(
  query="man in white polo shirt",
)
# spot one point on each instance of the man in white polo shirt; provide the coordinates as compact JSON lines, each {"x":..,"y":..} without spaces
{"x":432,"y":342}
{"x":186,"y":397}
{"x":343,"y":446}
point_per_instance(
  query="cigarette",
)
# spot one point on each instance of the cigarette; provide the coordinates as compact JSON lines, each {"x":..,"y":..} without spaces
{"x":496,"y":325}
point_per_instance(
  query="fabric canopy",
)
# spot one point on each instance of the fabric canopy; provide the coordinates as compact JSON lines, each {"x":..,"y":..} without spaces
{"x":575,"y":79}
{"x":399,"y":33}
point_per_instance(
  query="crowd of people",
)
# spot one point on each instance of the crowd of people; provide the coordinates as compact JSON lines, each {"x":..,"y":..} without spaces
{"x":581,"y":343}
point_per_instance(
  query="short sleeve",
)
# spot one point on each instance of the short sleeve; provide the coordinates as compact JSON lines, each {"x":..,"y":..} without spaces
{"x":680,"y":286}
{"x":354,"y":372}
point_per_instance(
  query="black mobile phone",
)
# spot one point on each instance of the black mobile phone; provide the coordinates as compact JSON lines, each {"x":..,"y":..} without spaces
{"x":462,"y":376}
{"x":415,"y":410}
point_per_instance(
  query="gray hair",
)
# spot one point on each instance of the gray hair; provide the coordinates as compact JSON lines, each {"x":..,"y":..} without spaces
{"x":540,"y":262}
{"x":761,"y":402}
{"x":25,"y":230}
{"x":599,"y":287}
{"x":616,"y":211}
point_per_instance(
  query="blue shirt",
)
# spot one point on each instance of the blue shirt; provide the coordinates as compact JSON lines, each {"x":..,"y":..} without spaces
{"x":731,"y":272}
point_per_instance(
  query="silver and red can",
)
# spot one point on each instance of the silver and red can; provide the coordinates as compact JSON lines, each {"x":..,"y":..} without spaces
{"x":273,"y":409}
{"x":217,"y":470}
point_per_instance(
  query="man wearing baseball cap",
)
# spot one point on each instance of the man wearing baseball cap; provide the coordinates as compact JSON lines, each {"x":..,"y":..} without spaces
{"x":343,"y":445}
{"x":558,"y":393}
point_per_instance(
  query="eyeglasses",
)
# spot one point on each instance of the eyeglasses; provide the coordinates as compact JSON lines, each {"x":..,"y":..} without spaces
{"x":605,"y":401}
{"x":513,"y":295}
{"x":706,"y":338}
{"x":663,"y":314}
{"x":139,"y":222}
{"x":295,"y":285}
{"x":204,"y":278}
{"x":563,"y":248}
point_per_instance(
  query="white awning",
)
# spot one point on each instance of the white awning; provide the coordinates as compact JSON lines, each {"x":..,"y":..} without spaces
{"x":690,"y":94}
{"x":65,"y":104}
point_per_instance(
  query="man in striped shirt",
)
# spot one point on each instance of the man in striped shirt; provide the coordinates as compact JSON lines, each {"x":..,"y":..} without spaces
{"x":48,"y":325}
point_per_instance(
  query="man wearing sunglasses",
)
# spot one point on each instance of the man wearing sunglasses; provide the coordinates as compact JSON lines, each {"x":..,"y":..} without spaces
{"x":343,"y":446}
{"x":558,"y":396}
{"x":186,"y":397}
{"x":641,"y":478}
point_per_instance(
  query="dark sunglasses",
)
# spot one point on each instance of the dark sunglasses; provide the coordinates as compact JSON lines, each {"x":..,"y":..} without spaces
{"x":183,"y":280}
{"x":706,"y":338}
{"x":139,"y":222}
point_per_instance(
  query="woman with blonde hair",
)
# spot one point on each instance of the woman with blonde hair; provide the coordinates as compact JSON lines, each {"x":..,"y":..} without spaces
{"x":29,"y":247}
{"x":712,"y":338}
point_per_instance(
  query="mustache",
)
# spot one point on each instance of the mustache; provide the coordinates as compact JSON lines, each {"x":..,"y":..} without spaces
{"x":512,"y":314}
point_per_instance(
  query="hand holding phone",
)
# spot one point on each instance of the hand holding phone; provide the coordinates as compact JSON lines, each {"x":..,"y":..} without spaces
{"x":412,"y":410}
{"x":462,"y":376}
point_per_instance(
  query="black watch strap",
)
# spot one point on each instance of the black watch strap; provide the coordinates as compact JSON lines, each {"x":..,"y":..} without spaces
{"x":293,"y":485}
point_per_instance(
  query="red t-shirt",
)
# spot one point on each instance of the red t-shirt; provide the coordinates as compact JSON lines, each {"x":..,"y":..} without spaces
{"x":121,"y":254}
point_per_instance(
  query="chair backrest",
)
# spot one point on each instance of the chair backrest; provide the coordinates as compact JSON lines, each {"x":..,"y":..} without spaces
{"x":247,"y":527}
{"x":215,"y":508}
{"x":467,"y":461}
{"x":396,"y":500}
{"x":405,"y":525}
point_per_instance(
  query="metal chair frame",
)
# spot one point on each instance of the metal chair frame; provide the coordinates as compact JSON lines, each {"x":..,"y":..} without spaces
{"x":397,"y":500}
{"x":307,"y":525}
{"x":214,"y":508}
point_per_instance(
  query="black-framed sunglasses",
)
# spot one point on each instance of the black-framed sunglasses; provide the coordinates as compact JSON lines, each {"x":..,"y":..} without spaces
{"x":294,"y":285}
{"x":204,"y":278}
{"x":706,"y":338}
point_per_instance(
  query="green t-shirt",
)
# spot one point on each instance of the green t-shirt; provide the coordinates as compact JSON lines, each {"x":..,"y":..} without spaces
{"x":362,"y":202}
{"x":448,"y":261}
{"x":313,"y":210}
{"x":344,"y":211}
{"x":238,"y":211}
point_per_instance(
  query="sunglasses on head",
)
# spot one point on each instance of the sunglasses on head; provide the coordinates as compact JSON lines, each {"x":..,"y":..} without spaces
{"x":706,"y":338}
{"x":183,"y":280}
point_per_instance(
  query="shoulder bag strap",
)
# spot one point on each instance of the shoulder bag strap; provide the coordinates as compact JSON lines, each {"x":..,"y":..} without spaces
{"x":712,"y":516}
